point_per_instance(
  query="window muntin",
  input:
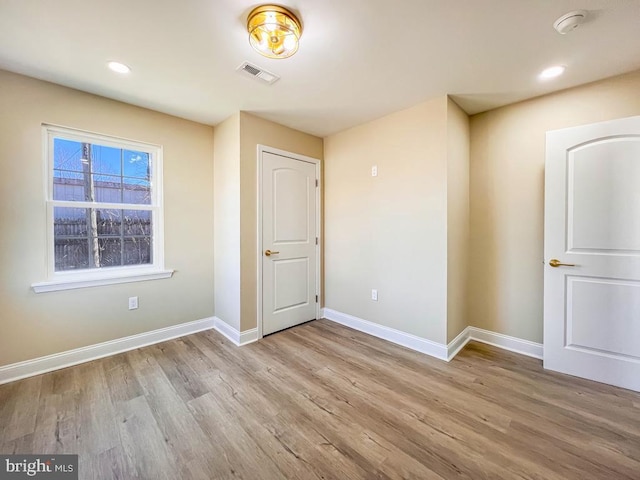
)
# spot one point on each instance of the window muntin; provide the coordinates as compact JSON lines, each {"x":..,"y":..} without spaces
{"x":104,"y":204}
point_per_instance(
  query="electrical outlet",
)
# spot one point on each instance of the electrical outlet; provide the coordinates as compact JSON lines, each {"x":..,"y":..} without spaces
{"x":374,"y":171}
{"x":133,"y":303}
{"x":374,"y":295}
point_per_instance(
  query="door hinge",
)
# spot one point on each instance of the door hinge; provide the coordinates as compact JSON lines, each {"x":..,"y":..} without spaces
{"x":316,"y":182}
{"x":316,"y":298}
{"x":316,"y":240}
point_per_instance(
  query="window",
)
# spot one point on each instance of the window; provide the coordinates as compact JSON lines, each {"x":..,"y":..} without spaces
{"x":104,"y":210}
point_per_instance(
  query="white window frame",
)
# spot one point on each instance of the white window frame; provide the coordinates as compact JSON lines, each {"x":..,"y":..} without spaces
{"x":90,"y":277}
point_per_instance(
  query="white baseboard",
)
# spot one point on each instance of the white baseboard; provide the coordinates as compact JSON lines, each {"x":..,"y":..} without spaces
{"x":457,"y":344}
{"x":37,"y":366}
{"x":513,"y":344}
{"x":238,"y":338}
{"x":408,"y":340}
{"x":434,"y":349}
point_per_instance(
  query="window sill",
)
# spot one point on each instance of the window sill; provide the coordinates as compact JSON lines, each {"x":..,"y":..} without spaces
{"x":79,"y":282}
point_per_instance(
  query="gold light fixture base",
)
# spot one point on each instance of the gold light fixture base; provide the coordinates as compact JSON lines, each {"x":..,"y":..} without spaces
{"x":274,"y":31}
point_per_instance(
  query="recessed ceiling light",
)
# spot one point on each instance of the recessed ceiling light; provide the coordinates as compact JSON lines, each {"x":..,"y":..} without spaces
{"x":118,"y":67}
{"x":552,"y":72}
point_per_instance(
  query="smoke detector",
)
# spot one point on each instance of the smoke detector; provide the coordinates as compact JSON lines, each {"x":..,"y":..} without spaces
{"x":570,"y":21}
{"x":258,"y":73}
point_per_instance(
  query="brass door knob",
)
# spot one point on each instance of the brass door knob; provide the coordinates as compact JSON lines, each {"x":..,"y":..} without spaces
{"x":268,"y":253}
{"x":554,"y":262}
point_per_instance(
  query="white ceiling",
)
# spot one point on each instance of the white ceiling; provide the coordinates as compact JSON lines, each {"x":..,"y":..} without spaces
{"x":358,"y":59}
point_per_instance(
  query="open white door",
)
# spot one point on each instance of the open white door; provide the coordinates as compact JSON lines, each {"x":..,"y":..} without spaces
{"x":592,"y":223}
{"x":289,"y":240}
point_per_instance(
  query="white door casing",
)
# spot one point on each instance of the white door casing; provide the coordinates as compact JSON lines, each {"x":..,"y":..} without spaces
{"x":288,"y":226}
{"x":592,"y":220}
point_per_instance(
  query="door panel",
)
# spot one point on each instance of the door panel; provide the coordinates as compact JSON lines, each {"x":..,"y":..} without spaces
{"x":592,"y":224}
{"x":604,"y":197}
{"x":289,"y":274}
{"x":291,"y":206}
{"x":288,"y":294}
{"x":602,"y":316}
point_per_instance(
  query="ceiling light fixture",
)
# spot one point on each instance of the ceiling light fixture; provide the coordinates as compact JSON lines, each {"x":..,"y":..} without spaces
{"x":118,"y":67}
{"x":552,"y":72}
{"x":274,"y":31}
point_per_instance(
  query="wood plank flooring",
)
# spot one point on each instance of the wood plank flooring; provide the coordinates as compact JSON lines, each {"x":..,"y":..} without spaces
{"x":321,"y":401}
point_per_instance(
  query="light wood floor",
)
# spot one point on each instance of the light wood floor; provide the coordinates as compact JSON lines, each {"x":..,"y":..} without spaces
{"x":321,"y":401}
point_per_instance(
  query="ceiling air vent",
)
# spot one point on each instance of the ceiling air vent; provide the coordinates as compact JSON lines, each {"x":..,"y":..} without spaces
{"x":254,"y":71}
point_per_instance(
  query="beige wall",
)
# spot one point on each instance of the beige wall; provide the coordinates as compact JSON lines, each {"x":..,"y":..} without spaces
{"x":458,"y":137}
{"x":389,"y":232}
{"x":507,"y":198}
{"x":33,"y":325}
{"x":256,"y":131}
{"x":402,"y":232}
{"x":226,"y":192}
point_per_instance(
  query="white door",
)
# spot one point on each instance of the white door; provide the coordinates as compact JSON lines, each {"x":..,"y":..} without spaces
{"x":592,"y":222}
{"x":289,"y":242}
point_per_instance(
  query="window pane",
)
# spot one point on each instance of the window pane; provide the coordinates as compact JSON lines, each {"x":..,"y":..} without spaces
{"x":71,"y":237}
{"x":106,"y":160}
{"x":71,"y":253}
{"x":71,"y":240}
{"x":108,"y":222}
{"x":137,"y":222}
{"x":68,"y":186}
{"x":136,"y":164}
{"x":107,"y":188}
{"x":137,"y":250}
{"x":136,"y":191}
{"x":110,"y":251}
{"x":68,"y":178}
{"x":67,"y":155}
{"x":70,"y":221}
